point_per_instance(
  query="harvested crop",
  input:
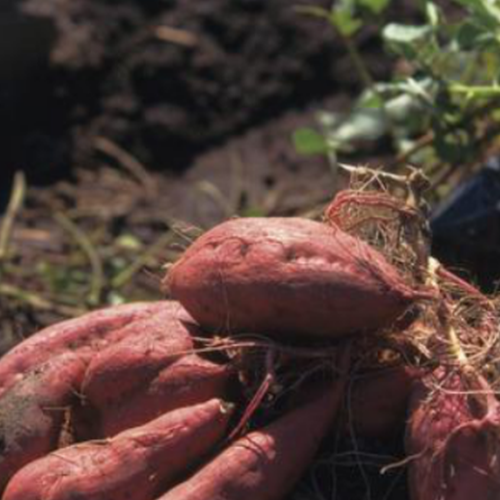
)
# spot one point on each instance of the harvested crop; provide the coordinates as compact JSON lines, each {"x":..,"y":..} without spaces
{"x":124,"y":366}
{"x":376,"y":402}
{"x":272,"y":303}
{"x":134,"y":465}
{"x":91,"y":332}
{"x":287,"y":276}
{"x":266,"y":463}
{"x":34,"y":412}
{"x":187,"y":381}
{"x":149,"y":373}
{"x":453,"y":439}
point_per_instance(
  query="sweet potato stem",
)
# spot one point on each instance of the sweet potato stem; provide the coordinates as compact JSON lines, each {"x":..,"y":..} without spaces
{"x":444,"y":315}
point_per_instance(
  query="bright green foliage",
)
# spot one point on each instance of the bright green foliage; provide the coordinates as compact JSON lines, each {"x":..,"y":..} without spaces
{"x":441,"y":107}
{"x":308,"y":141}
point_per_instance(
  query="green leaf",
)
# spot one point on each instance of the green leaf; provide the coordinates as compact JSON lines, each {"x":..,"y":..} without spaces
{"x":370,"y":98}
{"x":401,"y":107}
{"x":405,"y":34}
{"x":376,"y":6}
{"x":362,"y":124}
{"x":128,"y":241}
{"x":423,"y":88}
{"x":486,"y":12}
{"x":432,"y":14}
{"x":309,"y":142}
{"x":470,"y":35}
{"x":466,"y":34}
{"x":330,"y":119}
{"x":415,"y":43}
{"x":345,"y":22}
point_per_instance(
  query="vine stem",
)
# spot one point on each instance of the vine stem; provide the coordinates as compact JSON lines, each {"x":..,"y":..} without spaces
{"x":476,"y":90}
{"x":364,"y":75}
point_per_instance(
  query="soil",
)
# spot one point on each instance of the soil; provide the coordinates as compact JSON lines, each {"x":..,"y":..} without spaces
{"x":110,"y":71}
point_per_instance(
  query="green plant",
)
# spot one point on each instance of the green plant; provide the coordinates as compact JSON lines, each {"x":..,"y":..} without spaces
{"x":440,"y":107}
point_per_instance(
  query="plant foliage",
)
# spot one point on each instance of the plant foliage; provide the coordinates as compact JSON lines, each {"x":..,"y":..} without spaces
{"x":440,"y":107}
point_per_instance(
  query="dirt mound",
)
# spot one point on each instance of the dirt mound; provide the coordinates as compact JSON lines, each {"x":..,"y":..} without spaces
{"x":166,"y":79}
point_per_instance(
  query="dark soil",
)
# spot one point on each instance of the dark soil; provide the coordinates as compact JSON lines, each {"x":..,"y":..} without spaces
{"x":110,"y":72}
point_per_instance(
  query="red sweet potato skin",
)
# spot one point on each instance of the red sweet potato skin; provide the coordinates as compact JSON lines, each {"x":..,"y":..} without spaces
{"x":126,"y":365}
{"x":286,"y":276}
{"x":454,"y":444}
{"x":134,"y":465}
{"x":148,"y":374}
{"x":376,"y":403}
{"x":266,"y":463}
{"x":91,"y":331}
{"x":33,"y":412}
{"x":188,"y":381}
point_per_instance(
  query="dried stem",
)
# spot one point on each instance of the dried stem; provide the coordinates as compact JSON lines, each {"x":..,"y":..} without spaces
{"x":15,"y":205}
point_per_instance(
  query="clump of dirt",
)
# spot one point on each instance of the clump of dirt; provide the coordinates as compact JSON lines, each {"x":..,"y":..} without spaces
{"x":167,"y":79}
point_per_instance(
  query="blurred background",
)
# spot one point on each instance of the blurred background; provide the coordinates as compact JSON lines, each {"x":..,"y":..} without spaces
{"x":128,"y":127}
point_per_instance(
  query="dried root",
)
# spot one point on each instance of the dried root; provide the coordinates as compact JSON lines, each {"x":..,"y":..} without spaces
{"x":459,"y":327}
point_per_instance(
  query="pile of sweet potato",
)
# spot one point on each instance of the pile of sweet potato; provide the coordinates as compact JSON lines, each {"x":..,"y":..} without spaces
{"x":274,"y":337}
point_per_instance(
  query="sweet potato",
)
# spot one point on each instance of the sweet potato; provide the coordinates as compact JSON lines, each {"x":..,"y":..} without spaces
{"x":453,"y":438}
{"x":266,"y":463}
{"x":187,"y":381}
{"x":134,"y":465}
{"x":126,"y":365}
{"x":91,"y":331}
{"x":286,"y":276}
{"x":376,"y":402}
{"x":33,"y":412}
{"x":123,"y":372}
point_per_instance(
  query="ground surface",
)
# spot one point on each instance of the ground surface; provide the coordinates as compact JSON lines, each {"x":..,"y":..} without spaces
{"x":167,"y":96}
